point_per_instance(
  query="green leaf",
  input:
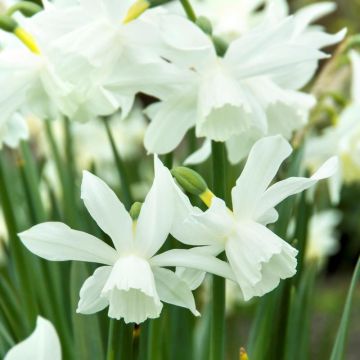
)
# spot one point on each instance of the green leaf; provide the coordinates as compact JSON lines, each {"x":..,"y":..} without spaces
{"x":88,"y":340}
{"x":338,"y":350}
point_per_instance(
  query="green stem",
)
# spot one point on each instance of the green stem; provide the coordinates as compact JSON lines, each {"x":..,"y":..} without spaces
{"x":190,"y":13}
{"x":218,"y":291}
{"x":120,"y":168}
{"x":154,"y":340}
{"x":113,"y":339}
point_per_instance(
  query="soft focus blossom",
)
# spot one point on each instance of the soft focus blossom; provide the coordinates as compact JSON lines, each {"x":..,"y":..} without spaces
{"x":133,"y":282}
{"x":42,"y":344}
{"x":258,"y":257}
{"x":251,"y":92}
{"x":322,"y":239}
{"x":342,"y":139}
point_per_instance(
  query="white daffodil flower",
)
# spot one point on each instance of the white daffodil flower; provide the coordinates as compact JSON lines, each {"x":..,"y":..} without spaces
{"x":107,"y":35}
{"x":342,"y":139}
{"x":322,"y":239}
{"x":250,"y":92}
{"x":133,"y":282}
{"x":42,"y":344}
{"x":257,"y":256}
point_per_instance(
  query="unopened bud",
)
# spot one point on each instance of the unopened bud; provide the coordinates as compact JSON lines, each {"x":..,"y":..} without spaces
{"x":220,"y":45}
{"x":7,"y":23}
{"x":204,"y":24}
{"x":189,"y":180}
{"x":135,"y":210}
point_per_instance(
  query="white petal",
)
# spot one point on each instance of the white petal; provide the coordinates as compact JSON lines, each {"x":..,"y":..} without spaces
{"x":261,"y":167}
{"x":16,"y":130}
{"x":170,"y":120}
{"x":107,"y":210}
{"x":193,"y":260}
{"x":193,"y":277}
{"x":225,"y":107}
{"x":200,"y":155}
{"x":156,"y":215}
{"x":187,"y":45}
{"x":42,"y":344}
{"x":91,"y":300}
{"x":259,"y":259}
{"x":191,"y":226}
{"x":311,"y":13}
{"x":173,"y":290}
{"x":238,"y":146}
{"x":131,"y":291}
{"x":285,"y":188}
{"x":56,"y":241}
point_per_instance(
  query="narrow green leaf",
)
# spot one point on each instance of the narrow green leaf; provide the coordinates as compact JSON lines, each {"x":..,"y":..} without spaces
{"x":88,"y":340}
{"x":338,"y":351}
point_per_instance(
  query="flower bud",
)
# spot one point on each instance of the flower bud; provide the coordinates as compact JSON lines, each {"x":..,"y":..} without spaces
{"x":220,"y":45}
{"x":7,"y":23}
{"x":135,"y":210}
{"x":189,"y":180}
{"x":204,"y":24}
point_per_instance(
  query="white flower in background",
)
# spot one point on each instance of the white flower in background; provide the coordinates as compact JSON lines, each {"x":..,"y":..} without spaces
{"x":14,"y":130}
{"x":133,"y":282}
{"x":303,"y":34}
{"x":42,"y":344}
{"x":249,"y":93}
{"x":257,"y":256}
{"x":342,"y":139}
{"x":105,"y":34}
{"x":322,"y":239}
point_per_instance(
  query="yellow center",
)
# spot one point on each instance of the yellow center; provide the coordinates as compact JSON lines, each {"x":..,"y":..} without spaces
{"x":136,"y":10}
{"x":27,"y":40}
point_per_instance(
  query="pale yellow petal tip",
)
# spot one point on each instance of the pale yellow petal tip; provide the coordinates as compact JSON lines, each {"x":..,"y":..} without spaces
{"x":243,"y":354}
{"x":136,"y":10}
{"x":207,"y":197}
{"x":27,"y":40}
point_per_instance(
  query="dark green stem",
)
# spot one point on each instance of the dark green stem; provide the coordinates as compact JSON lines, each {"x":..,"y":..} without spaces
{"x":217,"y":342}
{"x":125,"y":187}
{"x":190,"y":13}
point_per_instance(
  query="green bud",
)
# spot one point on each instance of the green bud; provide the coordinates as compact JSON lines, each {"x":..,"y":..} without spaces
{"x":27,"y":8}
{"x":189,"y":180}
{"x":220,"y":44}
{"x":204,"y":24}
{"x":135,"y":210}
{"x":7,"y":23}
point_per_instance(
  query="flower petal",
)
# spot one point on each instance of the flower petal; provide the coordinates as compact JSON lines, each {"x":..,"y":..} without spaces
{"x":173,"y":290}
{"x":200,"y":155}
{"x":170,"y":120}
{"x":291,"y":186}
{"x":42,"y":344}
{"x":107,"y":210}
{"x":262,"y":165}
{"x":156,"y":215}
{"x":259,"y":259}
{"x":131,"y":291}
{"x":193,"y":260}
{"x":91,"y":300}
{"x":56,"y":241}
